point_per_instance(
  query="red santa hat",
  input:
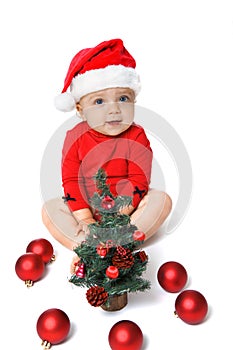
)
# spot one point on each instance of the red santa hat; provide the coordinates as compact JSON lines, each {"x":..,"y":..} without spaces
{"x":107,"y":65}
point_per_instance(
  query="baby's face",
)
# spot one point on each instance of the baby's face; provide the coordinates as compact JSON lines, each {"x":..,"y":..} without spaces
{"x":109,"y":111}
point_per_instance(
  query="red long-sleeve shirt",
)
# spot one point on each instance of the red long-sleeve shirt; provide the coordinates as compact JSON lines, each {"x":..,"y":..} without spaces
{"x":126,"y":158}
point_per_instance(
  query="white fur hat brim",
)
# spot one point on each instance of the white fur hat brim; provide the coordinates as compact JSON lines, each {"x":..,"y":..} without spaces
{"x":96,"y":80}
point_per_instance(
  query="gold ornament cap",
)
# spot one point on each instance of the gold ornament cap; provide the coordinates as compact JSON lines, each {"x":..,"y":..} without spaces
{"x":46,"y":344}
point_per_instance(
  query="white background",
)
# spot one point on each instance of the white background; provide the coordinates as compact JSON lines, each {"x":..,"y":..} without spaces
{"x":184,"y":56}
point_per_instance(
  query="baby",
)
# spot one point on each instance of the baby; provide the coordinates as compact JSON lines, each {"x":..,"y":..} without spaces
{"x":103,"y":86}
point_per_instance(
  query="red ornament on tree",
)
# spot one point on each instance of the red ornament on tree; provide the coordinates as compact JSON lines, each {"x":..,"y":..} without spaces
{"x":97,"y":216}
{"x":29,"y":267}
{"x":191,"y":306}
{"x":42,"y":247}
{"x":102,"y":250}
{"x":53,"y":327}
{"x":172,"y":276}
{"x":125,"y":335}
{"x":107,"y":202}
{"x":139,"y":236}
{"x":112,"y":272}
{"x":80,"y":271}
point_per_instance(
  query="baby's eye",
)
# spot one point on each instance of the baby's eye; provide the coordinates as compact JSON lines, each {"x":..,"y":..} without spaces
{"x":99,"y":101}
{"x":123,"y":98}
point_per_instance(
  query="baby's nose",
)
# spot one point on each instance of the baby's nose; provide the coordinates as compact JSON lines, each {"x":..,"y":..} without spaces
{"x":113,"y":107}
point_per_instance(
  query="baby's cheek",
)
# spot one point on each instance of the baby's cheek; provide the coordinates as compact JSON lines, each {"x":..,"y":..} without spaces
{"x":95,"y":120}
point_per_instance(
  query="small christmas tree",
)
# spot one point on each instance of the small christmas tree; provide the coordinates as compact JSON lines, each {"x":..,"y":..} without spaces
{"x":111,"y":263}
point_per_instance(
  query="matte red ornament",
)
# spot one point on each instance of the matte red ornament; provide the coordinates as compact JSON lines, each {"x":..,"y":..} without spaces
{"x":191,"y":306}
{"x":112,"y":272}
{"x":125,"y":335}
{"x":172,"y":276}
{"x":29,"y":267}
{"x":53,"y":327}
{"x":42,"y":247}
{"x":139,"y":236}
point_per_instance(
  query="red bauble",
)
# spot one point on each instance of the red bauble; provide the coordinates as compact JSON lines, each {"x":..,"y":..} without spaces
{"x":107,"y":202}
{"x":97,"y":216}
{"x":102,"y":250}
{"x":112,"y":272}
{"x":191,"y":306}
{"x":41,"y":247}
{"x":80,"y":271}
{"x":125,"y":335}
{"x":53,"y":326}
{"x":139,"y":236}
{"x":29,"y":267}
{"x":172,"y":276}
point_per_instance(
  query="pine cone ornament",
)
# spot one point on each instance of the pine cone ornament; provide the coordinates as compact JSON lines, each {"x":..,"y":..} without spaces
{"x":123,"y":258}
{"x":96,"y":296}
{"x":142,"y":256}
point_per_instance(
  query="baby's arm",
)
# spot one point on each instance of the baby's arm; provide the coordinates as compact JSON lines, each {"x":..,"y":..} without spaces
{"x":139,"y":165}
{"x":73,"y":180}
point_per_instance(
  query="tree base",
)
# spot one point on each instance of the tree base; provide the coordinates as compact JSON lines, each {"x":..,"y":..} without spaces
{"x":115,"y":302}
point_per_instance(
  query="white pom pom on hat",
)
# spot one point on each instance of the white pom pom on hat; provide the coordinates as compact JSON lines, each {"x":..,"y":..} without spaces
{"x":64,"y":102}
{"x":107,"y":65}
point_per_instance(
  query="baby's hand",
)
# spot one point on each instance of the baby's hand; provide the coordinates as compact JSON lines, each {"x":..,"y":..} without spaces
{"x":74,"y":264}
{"x":84,"y":217}
{"x":83,"y":226}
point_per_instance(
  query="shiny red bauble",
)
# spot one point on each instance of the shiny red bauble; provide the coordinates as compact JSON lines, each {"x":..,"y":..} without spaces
{"x":53,"y":326}
{"x":29,"y":267}
{"x":139,"y":236}
{"x":107,"y":202}
{"x":125,"y":335}
{"x":191,"y":306}
{"x":172,"y":276}
{"x":112,"y":272}
{"x":42,"y":247}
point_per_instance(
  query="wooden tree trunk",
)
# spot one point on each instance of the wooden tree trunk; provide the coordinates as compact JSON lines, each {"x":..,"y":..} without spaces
{"x":115,"y":302}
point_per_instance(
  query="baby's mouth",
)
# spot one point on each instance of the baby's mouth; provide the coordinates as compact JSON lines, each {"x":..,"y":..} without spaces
{"x":113,"y":122}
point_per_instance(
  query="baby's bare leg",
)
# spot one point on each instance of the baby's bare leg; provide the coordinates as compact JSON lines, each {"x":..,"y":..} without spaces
{"x":61,"y":223}
{"x":152,"y":211}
